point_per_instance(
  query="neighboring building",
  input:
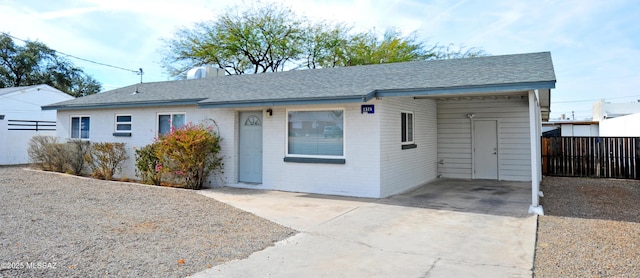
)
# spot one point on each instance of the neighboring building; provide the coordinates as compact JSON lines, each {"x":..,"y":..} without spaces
{"x":21,"y":118}
{"x":617,"y":119}
{"x":573,"y":128}
{"x":624,"y":126}
{"x":605,"y":110}
{"x":366,"y":131}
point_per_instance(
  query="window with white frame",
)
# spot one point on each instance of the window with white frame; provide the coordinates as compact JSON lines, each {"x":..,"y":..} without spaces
{"x":123,"y":123}
{"x":407,"y":127}
{"x":170,"y":121}
{"x":315,"y":133}
{"x":80,"y":126}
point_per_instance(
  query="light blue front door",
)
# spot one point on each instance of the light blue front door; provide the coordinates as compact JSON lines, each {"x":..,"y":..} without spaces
{"x":250,"y":153}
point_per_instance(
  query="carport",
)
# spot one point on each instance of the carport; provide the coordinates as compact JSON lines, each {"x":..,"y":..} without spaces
{"x":491,"y":136}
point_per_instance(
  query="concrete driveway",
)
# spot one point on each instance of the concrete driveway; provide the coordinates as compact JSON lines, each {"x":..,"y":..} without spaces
{"x":448,"y":228}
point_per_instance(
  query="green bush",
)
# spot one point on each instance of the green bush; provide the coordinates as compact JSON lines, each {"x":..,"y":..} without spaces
{"x":106,"y":159}
{"x":189,"y":154}
{"x":147,"y":164}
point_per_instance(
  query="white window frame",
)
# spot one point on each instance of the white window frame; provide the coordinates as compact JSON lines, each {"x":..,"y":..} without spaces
{"x":413,"y":128}
{"x":130,"y":123}
{"x":344,"y":133}
{"x":80,"y":117}
{"x":171,"y":114}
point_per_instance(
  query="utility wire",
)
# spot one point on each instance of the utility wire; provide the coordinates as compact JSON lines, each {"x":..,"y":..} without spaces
{"x":138,"y":72}
{"x":98,"y":63}
{"x":570,"y":101}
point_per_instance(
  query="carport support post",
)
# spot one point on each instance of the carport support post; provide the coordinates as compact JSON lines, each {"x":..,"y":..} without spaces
{"x":534,"y":121}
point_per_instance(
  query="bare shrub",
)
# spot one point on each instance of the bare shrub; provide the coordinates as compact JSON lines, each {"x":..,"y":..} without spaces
{"x":106,"y":159}
{"x":77,"y":150}
{"x":46,"y":153}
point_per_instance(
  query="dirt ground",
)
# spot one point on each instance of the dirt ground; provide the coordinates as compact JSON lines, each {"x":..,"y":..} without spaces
{"x":55,"y":225}
{"x":591,"y":228}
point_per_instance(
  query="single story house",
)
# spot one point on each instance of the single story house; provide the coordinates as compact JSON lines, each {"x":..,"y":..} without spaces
{"x":367,"y":131}
{"x":21,"y":118}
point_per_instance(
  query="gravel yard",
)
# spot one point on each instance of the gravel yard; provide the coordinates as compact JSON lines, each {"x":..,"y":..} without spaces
{"x":591,"y":228}
{"x":62,"y":226}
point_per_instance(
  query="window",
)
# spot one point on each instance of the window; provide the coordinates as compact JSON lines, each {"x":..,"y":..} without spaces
{"x":169,"y":121}
{"x":123,"y":123}
{"x":315,"y":133}
{"x":80,"y":127}
{"x":407,"y":127}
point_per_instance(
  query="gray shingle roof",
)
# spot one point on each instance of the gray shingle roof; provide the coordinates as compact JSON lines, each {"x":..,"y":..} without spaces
{"x":358,"y":82}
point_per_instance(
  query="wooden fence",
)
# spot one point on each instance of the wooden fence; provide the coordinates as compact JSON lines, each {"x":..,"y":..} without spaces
{"x":604,"y":157}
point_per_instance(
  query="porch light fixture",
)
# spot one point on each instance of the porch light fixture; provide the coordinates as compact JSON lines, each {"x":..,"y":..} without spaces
{"x":471,"y":115}
{"x":269,"y":112}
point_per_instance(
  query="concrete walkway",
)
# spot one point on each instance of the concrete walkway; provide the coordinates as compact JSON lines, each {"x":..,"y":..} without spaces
{"x":393,"y":237}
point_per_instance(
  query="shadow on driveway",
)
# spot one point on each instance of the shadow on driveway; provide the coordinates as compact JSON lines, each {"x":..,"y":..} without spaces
{"x":501,"y":198}
{"x":491,"y":197}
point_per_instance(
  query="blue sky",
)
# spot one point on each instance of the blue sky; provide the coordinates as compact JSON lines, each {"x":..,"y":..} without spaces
{"x":595,"y":45}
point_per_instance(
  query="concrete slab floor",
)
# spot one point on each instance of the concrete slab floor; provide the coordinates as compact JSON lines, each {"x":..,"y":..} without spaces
{"x":507,"y":198}
{"x":443,"y":229}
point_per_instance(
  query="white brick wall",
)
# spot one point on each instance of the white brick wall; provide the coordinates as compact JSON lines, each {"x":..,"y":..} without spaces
{"x":359,"y":176}
{"x":144,"y":129}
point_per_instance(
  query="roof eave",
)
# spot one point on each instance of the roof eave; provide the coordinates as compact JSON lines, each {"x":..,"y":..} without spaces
{"x":123,"y":104}
{"x":288,"y":101}
{"x":454,"y":90}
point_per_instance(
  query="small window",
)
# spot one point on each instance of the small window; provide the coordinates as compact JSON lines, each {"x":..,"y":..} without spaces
{"x":80,"y":126}
{"x":407,"y":126}
{"x":123,"y":123}
{"x":318,"y":133}
{"x":170,"y":121}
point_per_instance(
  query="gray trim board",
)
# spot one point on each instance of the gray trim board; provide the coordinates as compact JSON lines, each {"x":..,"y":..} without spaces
{"x":314,"y":160}
{"x":409,"y":146}
{"x":124,"y":105}
{"x":122,"y":134}
{"x":467,"y":89}
{"x":251,"y":103}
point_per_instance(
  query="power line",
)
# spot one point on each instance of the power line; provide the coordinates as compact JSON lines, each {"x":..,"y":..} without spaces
{"x":97,"y":63}
{"x":138,"y":72}
{"x":570,"y":101}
